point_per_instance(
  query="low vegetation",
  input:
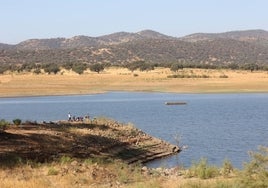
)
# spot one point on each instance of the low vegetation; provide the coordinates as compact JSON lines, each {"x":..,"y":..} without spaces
{"x":17,"y":121}
{"x":81,"y":67}
{"x":3,"y":125}
{"x":97,"y":172}
{"x":255,"y":173}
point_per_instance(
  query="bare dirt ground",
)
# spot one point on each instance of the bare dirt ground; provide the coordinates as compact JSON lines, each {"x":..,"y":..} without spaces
{"x":93,"y":153}
{"x":101,"y":138}
{"x":120,"y":79}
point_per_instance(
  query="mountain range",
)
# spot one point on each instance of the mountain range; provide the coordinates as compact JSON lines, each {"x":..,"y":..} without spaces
{"x":249,"y":46}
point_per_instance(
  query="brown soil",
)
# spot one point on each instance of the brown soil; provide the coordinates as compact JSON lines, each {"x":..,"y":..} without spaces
{"x":44,"y":142}
{"x":120,"y":79}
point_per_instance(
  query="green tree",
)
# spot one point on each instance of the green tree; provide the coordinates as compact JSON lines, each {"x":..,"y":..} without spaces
{"x":68,"y":65}
{"x":176,"y":66}
{"x":37,"y":71}
{"x":146,"y":67}
{"x":51,"y":68}
{"x":96,"y":67}
{"x":79,"y":68}
{"x":17,"y":121}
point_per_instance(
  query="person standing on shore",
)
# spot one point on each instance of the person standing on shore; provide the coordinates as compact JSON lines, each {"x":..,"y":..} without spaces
{"x":69,"y":116}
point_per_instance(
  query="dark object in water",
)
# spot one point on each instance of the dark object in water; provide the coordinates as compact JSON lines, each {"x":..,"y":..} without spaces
{"x":176,"y":103}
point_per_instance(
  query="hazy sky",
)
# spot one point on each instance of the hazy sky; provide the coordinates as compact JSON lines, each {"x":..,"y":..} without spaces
{"x":26,"y":19}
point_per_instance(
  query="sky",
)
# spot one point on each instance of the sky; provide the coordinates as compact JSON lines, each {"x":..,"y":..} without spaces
{"x":28,"y":19}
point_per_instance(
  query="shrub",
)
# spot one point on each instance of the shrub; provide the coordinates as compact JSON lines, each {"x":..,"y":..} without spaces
{"x":79,"y":68}
{"x":3,"y":125}
{"x":3,"y":122}
{"x":97,"y":67}
{"x":65,"y":159}
{"x":176,"y":66}
{"x":52,"y":171}
{"x":17,"y":121}
{"x":3,"y":69}
{"x":203,"y":170}
{"x":37,"y":71}
{"x":255,"y":173}
{"x":227,"y":168}
{"x":67,"y":65}
{"x":146,"y":67}
{"x":51,"y":68}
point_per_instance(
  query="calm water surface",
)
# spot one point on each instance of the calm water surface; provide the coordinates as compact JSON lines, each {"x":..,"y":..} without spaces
{"x":214,"y":126}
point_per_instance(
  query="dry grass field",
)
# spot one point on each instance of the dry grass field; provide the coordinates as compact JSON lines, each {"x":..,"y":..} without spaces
{"x":120,"y":79}
{"x":86,"y":175}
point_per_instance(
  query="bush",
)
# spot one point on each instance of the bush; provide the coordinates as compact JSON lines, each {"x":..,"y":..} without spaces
{"x":3,"y":69}
{"x":97,"y":67}
{"x":17,"y":121}
{"x":203,"y":170}
{"x":227,"y":168}
{"x":51,"y":68}
{"x":79,"y":68}
{"x":52,"y":171}
{"x":176,"y":66}
{"x":37,"y":71}
{"x":65,"y":159}
{"x":68,"y":65}
{"x":3,"y":125}
{"x":255,"y":173}
{"x":3,"y":122}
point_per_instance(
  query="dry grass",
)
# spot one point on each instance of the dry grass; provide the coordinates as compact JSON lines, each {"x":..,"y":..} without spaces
{"x":119,"y":79}
{"x":86,"y":174}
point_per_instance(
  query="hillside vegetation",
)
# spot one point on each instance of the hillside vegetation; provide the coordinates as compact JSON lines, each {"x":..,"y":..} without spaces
{"x":222,"y":49}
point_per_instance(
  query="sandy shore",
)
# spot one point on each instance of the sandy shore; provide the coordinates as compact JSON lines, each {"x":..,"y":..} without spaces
{"x":119,"y":79}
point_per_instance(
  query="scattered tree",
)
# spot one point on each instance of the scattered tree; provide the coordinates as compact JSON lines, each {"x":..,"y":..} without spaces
{"x":79,"y":68}
{"x":176,"y":66}
{"x":51,"y":68}
{"x":96,"y":67}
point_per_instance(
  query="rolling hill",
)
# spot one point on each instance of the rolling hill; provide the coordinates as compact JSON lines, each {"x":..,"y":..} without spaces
{"x":249,"y":46}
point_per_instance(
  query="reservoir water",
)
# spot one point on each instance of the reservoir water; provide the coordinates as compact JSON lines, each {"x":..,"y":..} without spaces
{"x":213,"y":126}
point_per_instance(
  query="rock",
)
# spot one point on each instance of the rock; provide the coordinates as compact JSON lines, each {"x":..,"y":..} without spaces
{"x":144,"y":169}
{"x":74,"y":163}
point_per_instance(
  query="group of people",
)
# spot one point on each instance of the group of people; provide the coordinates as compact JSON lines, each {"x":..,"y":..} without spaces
{"x":79,"y":118}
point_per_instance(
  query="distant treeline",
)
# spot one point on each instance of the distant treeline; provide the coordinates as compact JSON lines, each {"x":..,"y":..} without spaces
{"x":79,"y":68}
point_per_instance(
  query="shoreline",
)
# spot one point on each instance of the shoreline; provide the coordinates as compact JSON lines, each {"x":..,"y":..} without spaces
{"x":98,"y":138}
{"x":132,"y":91}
